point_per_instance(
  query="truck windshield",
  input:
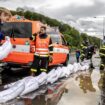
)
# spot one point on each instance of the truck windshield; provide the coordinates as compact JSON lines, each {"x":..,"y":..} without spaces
{"x":19,"y":29}
{"x":55,"y":37}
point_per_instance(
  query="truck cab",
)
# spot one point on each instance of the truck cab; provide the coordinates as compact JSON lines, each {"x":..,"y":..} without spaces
{"x":20,"y":30}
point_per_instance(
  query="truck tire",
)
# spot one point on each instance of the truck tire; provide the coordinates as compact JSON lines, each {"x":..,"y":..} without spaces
{"x":67,"y":61}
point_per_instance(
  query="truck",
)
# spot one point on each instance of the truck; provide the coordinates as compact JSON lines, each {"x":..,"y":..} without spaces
{"x":20,"y":30}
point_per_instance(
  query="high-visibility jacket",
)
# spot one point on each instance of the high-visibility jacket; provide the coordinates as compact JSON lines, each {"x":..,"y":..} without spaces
{"x":83,"y":49}
{"x":42,"y":46}
{"x":102,"y":51}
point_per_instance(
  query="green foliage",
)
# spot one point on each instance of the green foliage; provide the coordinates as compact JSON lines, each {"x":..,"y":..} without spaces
{"x":73,"y":36}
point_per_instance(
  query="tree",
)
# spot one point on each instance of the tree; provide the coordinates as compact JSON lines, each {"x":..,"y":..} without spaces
{"x":73,"y":36}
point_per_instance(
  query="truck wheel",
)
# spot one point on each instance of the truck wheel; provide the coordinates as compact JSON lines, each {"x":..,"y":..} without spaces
{"x":67,"y":61}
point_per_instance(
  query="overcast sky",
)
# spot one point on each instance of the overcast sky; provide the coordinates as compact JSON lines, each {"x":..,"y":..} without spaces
{"x":77,"y":13}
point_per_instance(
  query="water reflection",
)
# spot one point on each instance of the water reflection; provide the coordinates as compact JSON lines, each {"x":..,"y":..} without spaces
{"x":51,"y":97}
{"x":101,"y":82}
{"x":101,"y":85}
{"x":85,"y":82}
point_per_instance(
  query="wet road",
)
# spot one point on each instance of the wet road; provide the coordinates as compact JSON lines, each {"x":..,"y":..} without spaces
{"x":82,"y":88}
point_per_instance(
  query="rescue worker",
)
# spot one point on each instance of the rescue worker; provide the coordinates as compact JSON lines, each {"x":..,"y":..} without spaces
{"x":77,"y":55}
{"x":5,"y":14}
{"x":83,"y":50}
{"x":42,"y":52}
{"x":1,"y":33}
{"x":87,"y":52}
{"x":102,"y":56}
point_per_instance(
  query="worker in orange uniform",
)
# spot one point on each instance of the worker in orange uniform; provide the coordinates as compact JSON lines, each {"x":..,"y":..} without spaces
{"x":42,"y":53}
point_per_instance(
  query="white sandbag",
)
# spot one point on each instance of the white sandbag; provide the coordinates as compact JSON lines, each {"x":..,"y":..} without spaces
{"x":12,"y":92}
{"x":31,"y":84}
{"x":66,"y":72}
{"x":23,"y":80}
{"x":42,"y":79}
{"x":52,"y":77}
{"x":59,"y":72}
{"x":27,"y":79}
{"x":75,"y":67}
{"x":86,"y":62}
{"x":51,"y":73}
{"x":70,"y":67}
{"x":4,"y":45}
{"x":9,"y":85}
{"x":83,"y":68}
{"x":79,"y":66}
{"x":86,"y":67}
{"x":5,"y":49}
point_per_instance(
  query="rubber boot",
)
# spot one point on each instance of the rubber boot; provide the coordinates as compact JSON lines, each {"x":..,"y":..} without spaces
{"x":91,"y":66}
{"x":0,"y":79}
{"x":33,"y":74}
{"x":102,"y":67}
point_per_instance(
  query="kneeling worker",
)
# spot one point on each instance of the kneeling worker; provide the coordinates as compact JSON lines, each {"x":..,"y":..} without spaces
{"x":42,"y":52}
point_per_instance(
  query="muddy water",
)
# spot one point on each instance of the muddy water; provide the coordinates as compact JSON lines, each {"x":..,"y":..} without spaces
{"x":82,"y":88}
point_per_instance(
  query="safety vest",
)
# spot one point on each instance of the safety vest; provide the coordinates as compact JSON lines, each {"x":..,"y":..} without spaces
{"x":102,"y":51}
{"x":83,"y":48}
{"x":42,"y":46}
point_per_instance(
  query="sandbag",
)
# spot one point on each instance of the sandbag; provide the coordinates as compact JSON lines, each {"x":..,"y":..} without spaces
{"x":8,"y":85}
{"x":31,"y":84}
{"x":23,"y":80}
{"x":83,"y":68}
{"x":12,"y":92}
{"x":79,"y":66}
{"x":71,"y":68}
{"x":42,"y":79}
{"x":59,"y":72}
{"x":5,"y":49}
{"x":86,"y":67}
{"x":75,"y":67}
{"x":86,"y":62}
{"x":66,"y":72}
{"x":52,"y":76}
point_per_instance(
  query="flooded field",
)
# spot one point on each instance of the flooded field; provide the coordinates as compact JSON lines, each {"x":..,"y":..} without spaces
{"x":82,"y":88}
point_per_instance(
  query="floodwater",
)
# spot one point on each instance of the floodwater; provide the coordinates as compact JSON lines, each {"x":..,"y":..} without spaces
{"x":82,"y":88}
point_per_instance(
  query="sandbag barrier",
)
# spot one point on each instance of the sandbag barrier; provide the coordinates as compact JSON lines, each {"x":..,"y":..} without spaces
{"x":6,"y":48}
{"x":30,"y":84}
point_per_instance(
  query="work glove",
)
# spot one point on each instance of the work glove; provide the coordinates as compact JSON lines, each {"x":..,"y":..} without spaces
{"x":31,"y":38}
{"x":50,"y":59}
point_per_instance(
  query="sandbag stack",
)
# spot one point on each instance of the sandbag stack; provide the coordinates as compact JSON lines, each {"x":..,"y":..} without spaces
{"x":30,"y":84}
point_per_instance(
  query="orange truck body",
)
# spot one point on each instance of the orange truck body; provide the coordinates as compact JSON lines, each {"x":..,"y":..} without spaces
{"x":60,"y":52}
